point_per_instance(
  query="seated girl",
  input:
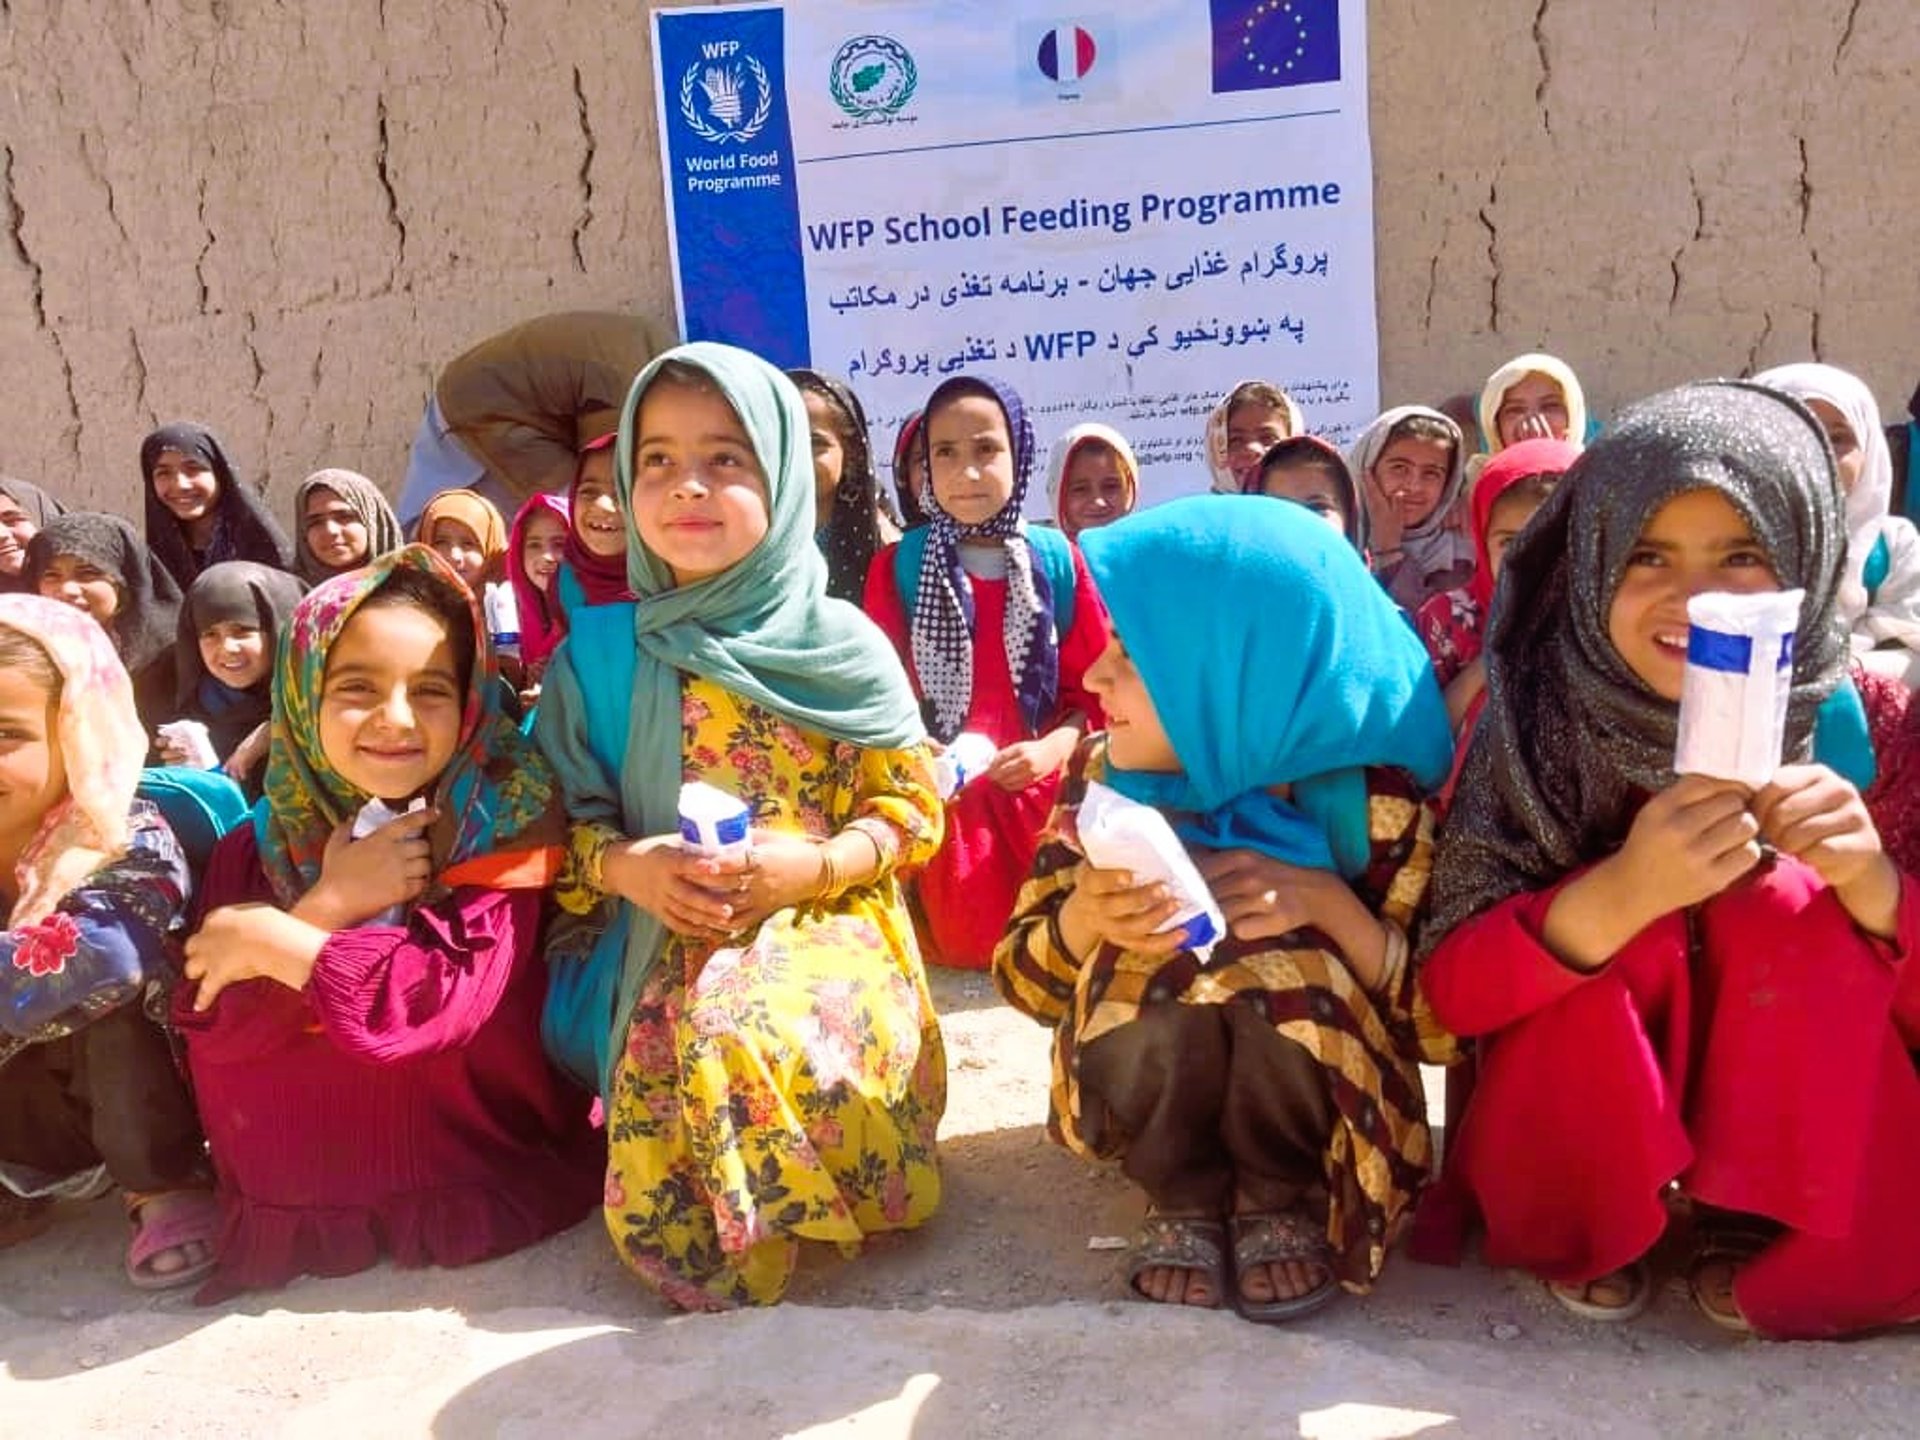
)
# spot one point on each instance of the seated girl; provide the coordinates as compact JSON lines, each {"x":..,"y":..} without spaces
{"x":96,"y":564}
{"x":1680,"y":988}
{"x":850,"y":515}
{"x":1880,"y":596}
{"x":997,"y":624}
{"x":1410,"y":466}
{"x":233,"y":617}
{"x":1511,"y":486}
{"x":535,"y":551}
{"x":93,"y":887}
{"x":1250,"y":420}
{"x":24,"y":509}
{"x":362,"y":1022}
{"x":341,"y":522}
{"x":1308,"y":471}
{"x":198,"y":512}
{"x":596,"y":552}
{"x":1532,"y":397}
{"x":776,"y":1068}
{"x":1267,"y":1097}
{"x":1092,"y":478}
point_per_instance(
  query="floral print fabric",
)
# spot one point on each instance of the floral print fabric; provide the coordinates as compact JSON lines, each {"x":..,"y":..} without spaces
{"x":787,"y":1088}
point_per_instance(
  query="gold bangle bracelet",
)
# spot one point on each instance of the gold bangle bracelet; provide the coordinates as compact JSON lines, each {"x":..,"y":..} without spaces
{"x":831,"y":882}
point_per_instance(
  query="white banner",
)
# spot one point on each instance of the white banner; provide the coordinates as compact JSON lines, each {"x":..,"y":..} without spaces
{"x":1124,"y":214}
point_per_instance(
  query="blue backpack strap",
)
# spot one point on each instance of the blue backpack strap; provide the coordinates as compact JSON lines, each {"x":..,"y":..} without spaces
{"x":1842,"y":738}
{"x":199,"y":806}
{"x":1050,"y":547}
{"x":1879,"y":565}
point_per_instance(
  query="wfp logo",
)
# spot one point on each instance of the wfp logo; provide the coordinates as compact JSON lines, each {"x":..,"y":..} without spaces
{"x":724,"y":80}
{"x":872,"y":76}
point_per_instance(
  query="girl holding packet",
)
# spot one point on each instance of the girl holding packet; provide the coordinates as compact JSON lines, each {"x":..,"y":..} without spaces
{"x":1677,"y":984}
{"x":997,"y":623}
{"x":775,"y":1072}
{"x":1266,"y":1096}
{"x":362,"y":1022}
{"x":229,"y":625}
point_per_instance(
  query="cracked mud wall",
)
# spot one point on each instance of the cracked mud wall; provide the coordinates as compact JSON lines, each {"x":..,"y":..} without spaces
{"x":281,"y":217}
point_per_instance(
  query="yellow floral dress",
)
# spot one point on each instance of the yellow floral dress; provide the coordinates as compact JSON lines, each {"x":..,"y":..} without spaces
{"x":787,"y":1088}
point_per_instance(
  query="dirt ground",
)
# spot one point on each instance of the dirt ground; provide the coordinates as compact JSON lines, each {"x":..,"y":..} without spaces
{"x":997,"y":1319}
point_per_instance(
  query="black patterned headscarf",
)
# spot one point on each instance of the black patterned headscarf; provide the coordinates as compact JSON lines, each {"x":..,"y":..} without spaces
{"x":243,"y":527}
{"x":1571,"y":738}
{"x":942,"y":604}
{"x":850,"y":533}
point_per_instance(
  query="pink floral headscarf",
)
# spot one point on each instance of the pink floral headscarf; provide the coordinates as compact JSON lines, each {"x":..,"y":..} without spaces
{"x":101,"y":744}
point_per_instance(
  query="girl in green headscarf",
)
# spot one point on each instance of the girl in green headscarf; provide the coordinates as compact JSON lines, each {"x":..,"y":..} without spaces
{"x":775,"y":1071}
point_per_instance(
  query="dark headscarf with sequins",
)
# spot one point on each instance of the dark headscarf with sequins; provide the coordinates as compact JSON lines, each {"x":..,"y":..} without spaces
{"x":850,"y":533}
{"x":1571,"y":738}
{"x":243,"y":527}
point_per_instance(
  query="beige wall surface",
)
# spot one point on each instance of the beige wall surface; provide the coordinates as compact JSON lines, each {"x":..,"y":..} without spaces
{"x":280,"y":218}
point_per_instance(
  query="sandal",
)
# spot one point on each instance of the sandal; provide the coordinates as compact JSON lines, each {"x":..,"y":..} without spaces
{"x":1261,"y":1238}
{"x":22,"y":1218}
{"x":1180,"y":1242}
{"x":1579,"y":1298}
{"x":1729,"y":1241}
{"x":192,"y":1219}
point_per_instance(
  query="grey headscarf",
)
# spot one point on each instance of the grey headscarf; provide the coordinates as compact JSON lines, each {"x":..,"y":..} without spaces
{"x":1433,"y":547}
{"x":1571,"y":738}
{"x":358,"y":494}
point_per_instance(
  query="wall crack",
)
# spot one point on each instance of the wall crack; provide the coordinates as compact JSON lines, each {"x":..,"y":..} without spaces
{"x":1493,"y":252}
{"x":586,"y":171}
{"x":380,"y":165}
{"x":1546,"y":65}
{"x":16,"y":231}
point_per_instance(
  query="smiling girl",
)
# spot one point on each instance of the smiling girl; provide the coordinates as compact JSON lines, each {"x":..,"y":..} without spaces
{"x":342,"y":521}
{"x":229,"y":625}
{"x":362,"y":1022}
{"x":1680,"y":988}
{"x":96,"y":564}
{"x":198,"y":512}
{"x":24,"y":509}
{"x":774,"y":1072}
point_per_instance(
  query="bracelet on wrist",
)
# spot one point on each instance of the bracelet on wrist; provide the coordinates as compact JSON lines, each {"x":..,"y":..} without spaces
{"x":831,"y":882}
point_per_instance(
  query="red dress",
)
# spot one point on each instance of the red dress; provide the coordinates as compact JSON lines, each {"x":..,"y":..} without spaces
{"x":967,"y":891}
{"x":1756,"y":1066}
{"x":400,"y":1103}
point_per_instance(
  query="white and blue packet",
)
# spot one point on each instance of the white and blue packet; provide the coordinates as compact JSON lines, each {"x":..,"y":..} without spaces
{"x":967,"y":758}
{"x":372,"y":816}
{"x":714,"y":823}
{"x":502,"y":611}
{"x":1739,"y":677}
{"x":1121,"y":834}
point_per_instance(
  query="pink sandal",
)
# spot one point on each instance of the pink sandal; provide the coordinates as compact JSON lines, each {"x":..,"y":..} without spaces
{"x":193,"y":1219}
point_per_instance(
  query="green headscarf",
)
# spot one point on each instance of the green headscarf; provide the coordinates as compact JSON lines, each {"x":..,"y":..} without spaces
{"x":764,"y":629}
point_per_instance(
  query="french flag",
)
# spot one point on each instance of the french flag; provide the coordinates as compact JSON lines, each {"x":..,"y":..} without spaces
{"x":1066,"y":54}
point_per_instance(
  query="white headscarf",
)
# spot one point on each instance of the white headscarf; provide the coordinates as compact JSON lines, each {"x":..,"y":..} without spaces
{"x":1516,"y":370}
{"x":1872,"y":494}
{"x":1059,"y":456}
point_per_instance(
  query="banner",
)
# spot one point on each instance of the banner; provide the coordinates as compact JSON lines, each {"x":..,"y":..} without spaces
{"x":1124,"y":212}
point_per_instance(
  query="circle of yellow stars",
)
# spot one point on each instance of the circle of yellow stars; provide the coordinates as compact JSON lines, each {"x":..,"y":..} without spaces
{"x":1260,"y":12}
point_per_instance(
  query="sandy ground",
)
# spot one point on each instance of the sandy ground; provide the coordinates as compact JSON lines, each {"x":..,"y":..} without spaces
{"x":995,"y":1320}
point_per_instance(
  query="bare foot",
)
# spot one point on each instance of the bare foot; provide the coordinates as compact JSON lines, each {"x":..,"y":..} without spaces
{"x":1277,"y":1280}
{"x":1176,"y":1285}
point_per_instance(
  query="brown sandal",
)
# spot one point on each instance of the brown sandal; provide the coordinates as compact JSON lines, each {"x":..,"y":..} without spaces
{"x":1280,"y":1239}
{"x":1180,"y":1242}
{"x":21,"y":1218}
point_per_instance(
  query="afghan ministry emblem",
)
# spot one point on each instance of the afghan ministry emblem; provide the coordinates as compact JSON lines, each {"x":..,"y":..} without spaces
{"x":872,"y":76}
{"x":726,"y":100}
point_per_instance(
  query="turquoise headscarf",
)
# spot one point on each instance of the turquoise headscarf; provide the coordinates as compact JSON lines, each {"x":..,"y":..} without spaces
{"x":764,"y":629}
{"x":1286,"y":665}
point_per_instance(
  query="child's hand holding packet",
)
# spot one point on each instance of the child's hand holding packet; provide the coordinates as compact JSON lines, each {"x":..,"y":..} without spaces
{"x":1121,"y":834}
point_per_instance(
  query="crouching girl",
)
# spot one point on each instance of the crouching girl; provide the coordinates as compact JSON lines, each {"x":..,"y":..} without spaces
{"x":1267,"y":1101}
{"x":364,"y":1031}
{"x":775,"y":1067}
{"x":1680,"y":988}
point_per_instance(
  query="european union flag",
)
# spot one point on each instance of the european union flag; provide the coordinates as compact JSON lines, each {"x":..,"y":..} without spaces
{"x":1266,"y":44}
